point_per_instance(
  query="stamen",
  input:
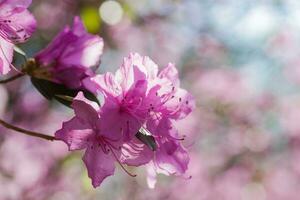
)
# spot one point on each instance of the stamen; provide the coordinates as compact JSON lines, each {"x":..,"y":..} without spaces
{"x":127,"y":172}
{"x":103,"y":149}
{"x":109,"y":143}
{"x":187,"y":177}
{"x":180,"y":139}
{"x":20,"y":30}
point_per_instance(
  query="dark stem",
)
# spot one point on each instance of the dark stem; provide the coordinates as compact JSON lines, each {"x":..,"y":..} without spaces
{"x":11,"y":78}
{"x":27,"y":132}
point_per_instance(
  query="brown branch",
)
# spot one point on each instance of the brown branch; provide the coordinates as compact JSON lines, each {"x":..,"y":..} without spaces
{"x":11,"y":78}
{"x":27,"y":132}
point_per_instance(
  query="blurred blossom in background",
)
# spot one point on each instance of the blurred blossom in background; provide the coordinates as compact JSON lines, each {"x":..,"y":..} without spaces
{"x":240,"y":59}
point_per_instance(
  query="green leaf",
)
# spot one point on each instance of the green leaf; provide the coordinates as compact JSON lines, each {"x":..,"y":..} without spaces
{"x":145,"y":137}
{"x":59,"y":92}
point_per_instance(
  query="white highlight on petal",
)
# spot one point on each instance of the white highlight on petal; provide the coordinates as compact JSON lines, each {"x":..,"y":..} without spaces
{"x":111,"y":12}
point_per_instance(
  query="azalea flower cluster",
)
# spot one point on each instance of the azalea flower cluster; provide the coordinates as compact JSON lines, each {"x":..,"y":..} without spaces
{"x":133,"y":125}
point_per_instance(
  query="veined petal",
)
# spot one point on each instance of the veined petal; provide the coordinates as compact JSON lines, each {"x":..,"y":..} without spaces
{"x":171,"y":158}
{"x":125,"y":75}
{"x":99,"y":165}
{"x":18,"y":26}
{"x":151,"y":68}
{"x":135,"y":68}
{"x":135,"y":153}
{"x":75,"y":134}
{"x":6,"y":56}
{"x":160,"y":126}
{"x":170,"y":73}
{"x":181,"y":105}
{"x":103,"y":83}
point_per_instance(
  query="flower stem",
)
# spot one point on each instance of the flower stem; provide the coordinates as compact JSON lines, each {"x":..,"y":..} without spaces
{"x":11,"y":78}
{"x":27,"y":132}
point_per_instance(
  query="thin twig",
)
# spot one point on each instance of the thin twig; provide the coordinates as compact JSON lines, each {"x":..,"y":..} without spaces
{"x":11,"y":78}
{"x":27,"y":132}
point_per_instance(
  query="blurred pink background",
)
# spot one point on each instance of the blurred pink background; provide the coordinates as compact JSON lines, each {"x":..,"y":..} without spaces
{"x":240,"y":59}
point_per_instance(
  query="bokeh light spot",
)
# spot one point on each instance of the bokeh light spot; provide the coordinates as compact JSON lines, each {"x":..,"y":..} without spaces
{"x":111,"y":12}
{"x":91,"y":19}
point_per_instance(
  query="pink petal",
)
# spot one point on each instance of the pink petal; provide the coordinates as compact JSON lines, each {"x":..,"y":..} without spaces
{"x":151,"y":68}
{"x":6,"y":56}
{"x":145,"y":64}
{"x":75,"y":134}
{"x":85,"y":51}
{"x":135,"y":68}
{"x":161,"y":126}
{"x":72,"y":53}
{"x":73,"y":47}
{"x":86,"y":110}
{"x":130,"y":72}
{"x":55,"y":49}
{"x":117,"y":123}
{"x":71,"y":77}
{"x":16,"y":3}
{"x":135,"y":153}
{"x":151,"y":176}
{"x":103,"y":83}
{"x":78,"y":26}
{"x":134,"y":99}
{"x":170,"y":73}
{"x":99,"y":164}
{"x":171,"y":158}
{"x":20,"y":27}
{"x":181,"y":105}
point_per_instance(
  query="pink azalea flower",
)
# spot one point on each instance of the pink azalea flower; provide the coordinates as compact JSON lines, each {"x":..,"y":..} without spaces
{"x":138,"y":96}
{"x":69,"y":58}
{"x":165,"y":101}
{"x":124,"y":110}
{"x":16,"y":26}
{"x":84,"y":131}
